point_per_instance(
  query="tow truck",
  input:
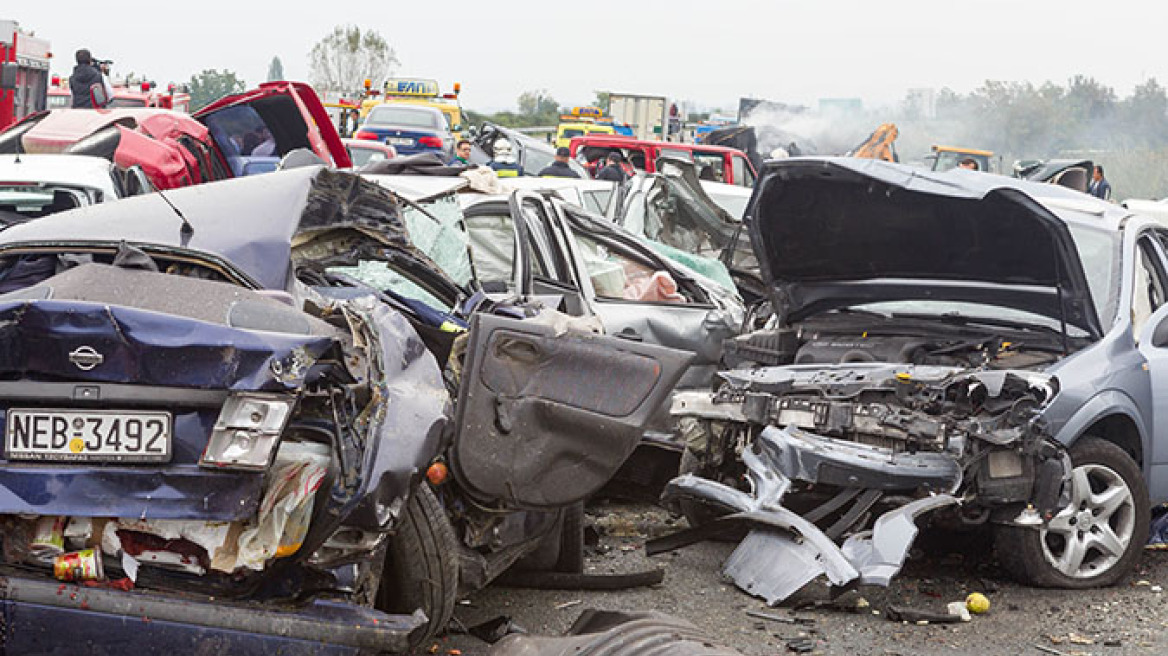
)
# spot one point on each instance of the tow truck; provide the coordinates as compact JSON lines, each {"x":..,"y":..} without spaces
{"x":24,"y":73}
{"x":581,"y":121}
{"x":417,"y":91}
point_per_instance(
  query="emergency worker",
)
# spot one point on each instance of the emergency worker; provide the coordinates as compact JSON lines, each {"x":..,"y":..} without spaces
{"x":504,"y":162}
{"x":559,"y":168}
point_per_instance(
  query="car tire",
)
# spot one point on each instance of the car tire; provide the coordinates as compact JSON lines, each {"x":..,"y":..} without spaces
{"x":421,"y":569}
{"x":1110,"y":498}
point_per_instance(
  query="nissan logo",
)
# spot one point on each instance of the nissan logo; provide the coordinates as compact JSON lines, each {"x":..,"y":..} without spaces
{"x":86,"y":358}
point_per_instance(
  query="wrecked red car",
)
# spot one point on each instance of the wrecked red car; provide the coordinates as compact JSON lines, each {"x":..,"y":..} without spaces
{"x":237,"y":135}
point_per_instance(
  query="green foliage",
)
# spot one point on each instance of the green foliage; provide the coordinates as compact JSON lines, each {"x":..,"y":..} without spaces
{"x":211,"y":85}
{"x":343,"y":60}
{"x":536,"y":108}
{"x":602,"y":101}
{"x":275,"y":70}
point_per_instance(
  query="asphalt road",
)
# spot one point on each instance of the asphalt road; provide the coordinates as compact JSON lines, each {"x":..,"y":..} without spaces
{"x":1131,"y":618}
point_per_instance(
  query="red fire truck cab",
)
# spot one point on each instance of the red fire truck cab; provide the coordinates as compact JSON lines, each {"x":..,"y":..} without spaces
{"x":24,"y":73}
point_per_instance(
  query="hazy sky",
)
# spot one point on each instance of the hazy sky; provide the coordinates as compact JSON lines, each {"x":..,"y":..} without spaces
{"x":709,"y":52}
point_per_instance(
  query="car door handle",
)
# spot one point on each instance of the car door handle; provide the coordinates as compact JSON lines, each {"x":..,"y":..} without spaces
{"x":630,"y":334}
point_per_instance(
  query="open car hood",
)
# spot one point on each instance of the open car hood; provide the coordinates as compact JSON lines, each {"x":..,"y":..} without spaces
{"x":1071,"y":173}
{"x":835,"y":232}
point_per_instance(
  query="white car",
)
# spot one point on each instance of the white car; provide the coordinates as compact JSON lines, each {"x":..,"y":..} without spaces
{"x":32,"y":186}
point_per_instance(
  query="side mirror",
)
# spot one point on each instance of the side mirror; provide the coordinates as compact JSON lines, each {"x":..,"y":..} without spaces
{"x":457,"y":127}
{"x":8,"y":75}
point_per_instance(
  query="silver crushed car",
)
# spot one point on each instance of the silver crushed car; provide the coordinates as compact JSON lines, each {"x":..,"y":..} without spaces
{"x":980,"y":349}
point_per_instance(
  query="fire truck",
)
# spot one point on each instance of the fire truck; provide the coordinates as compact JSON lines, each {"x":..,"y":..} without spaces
{"x":24,"y":73}
{"x":144,"y":94}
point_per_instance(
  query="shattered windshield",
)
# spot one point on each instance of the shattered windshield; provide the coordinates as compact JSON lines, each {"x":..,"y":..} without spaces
{"x":443,"y":240}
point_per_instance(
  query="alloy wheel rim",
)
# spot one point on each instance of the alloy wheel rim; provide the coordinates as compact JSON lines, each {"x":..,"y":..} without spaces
{"x":1089,"y":536}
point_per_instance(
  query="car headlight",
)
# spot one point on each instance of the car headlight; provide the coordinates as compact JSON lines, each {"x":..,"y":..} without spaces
{"x":247,"y":430}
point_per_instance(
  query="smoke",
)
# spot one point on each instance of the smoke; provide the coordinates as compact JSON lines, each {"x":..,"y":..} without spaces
{"x":813,"y":132}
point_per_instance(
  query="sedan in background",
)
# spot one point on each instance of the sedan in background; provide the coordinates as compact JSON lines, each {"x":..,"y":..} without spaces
{"x":409,"y":129}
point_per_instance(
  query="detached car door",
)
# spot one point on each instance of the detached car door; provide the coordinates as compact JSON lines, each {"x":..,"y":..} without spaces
{"x":545,"y":418}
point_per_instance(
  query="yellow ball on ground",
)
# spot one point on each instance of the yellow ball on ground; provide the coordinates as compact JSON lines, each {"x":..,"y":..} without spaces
{"x":977,"y":603}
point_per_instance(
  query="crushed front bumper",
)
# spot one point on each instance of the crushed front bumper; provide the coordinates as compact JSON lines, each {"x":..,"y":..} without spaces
{"x":783,"y":550}
{"x":42,"y":616}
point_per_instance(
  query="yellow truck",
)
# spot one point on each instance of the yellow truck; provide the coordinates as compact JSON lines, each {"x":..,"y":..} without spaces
{"x":947,"y":157}
{"x":417,"y":91}
{"x":582,"y":121}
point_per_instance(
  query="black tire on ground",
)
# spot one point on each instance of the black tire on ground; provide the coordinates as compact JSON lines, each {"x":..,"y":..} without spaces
{"x":1024,"y":554}
{"x":421,"y":569}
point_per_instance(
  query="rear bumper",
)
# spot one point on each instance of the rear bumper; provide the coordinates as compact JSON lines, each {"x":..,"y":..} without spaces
{"x":42,"y":616}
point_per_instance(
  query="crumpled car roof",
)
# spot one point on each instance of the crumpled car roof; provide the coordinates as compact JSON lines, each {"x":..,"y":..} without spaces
{"x":250,"y":222}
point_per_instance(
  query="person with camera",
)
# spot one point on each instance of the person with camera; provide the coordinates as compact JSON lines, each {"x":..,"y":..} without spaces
{"x":86,"y":74}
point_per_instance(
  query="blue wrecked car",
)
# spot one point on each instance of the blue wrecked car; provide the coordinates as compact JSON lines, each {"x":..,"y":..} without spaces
{"x":224,"y":443}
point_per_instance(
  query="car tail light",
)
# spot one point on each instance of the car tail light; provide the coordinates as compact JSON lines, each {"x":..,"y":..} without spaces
{"x":246,"y":432}
{"x":368,"y":136}
{"x":145,"y":87}
{"x":430,"y":142}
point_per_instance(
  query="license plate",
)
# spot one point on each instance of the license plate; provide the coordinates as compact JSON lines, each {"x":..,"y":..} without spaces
{"x":87,"y":435}
{"x":399,"y":141}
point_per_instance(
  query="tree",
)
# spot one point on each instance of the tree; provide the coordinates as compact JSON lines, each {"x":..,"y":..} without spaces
{"x":212,"y":84}
{"x":602,"y":101}
{"x":343,"y":60}
{"x":275,"y":70}
{"x":1146,"y":115}
{"x":537,"y":107}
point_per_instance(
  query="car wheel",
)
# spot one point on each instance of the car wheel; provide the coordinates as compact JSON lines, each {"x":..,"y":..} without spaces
{"x":421,"y":569}
{"x":1098,"y":537}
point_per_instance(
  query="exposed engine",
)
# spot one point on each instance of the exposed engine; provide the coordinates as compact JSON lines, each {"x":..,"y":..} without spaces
{"x":988,"y":422}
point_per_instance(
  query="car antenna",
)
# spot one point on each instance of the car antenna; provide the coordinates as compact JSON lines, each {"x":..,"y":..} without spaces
{"x":187,"y":230}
